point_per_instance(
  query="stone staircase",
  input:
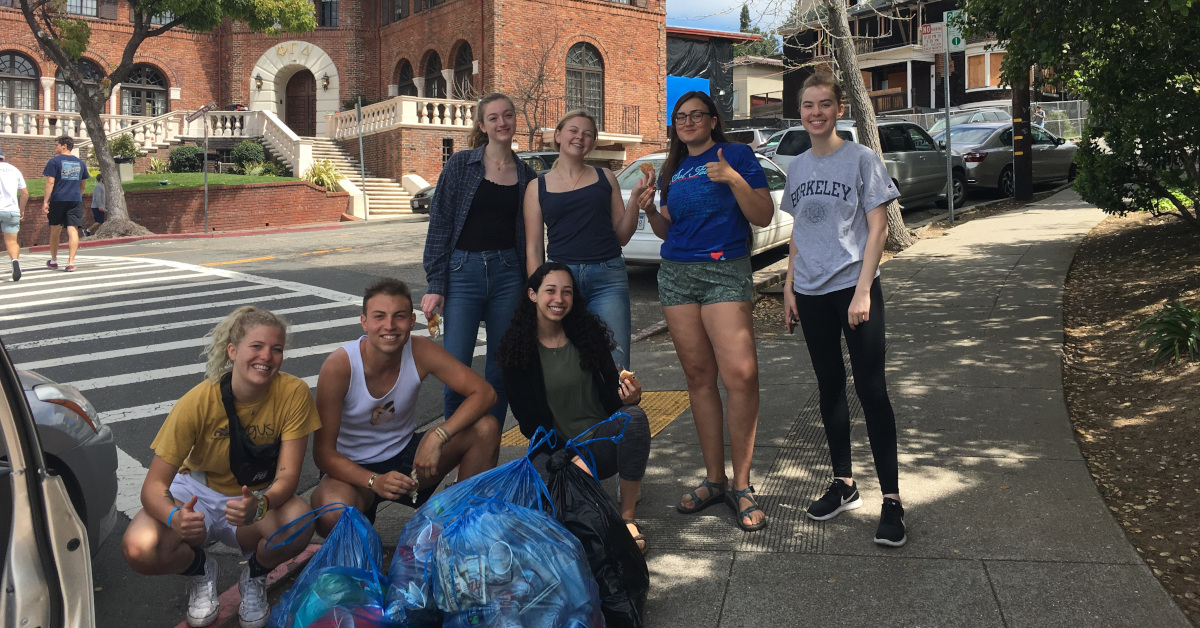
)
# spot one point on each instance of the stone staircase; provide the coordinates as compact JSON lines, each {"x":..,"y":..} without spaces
{"x":385,"y":197}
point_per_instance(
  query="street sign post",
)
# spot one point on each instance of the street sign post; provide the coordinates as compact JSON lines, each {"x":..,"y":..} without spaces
{"x":191,"y":117}
{"x":933,"y":38}
{"x":934,"y":41}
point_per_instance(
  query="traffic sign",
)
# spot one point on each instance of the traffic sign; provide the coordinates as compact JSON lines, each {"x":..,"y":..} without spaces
{"x":933,"y":38}
{"x":201,"y":111}
{"x":954,"y":36}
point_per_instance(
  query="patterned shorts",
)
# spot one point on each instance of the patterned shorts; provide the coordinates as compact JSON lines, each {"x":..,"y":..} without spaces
{"x":705,"y":283}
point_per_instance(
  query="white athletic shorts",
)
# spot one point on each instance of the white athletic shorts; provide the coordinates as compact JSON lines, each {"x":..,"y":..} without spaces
{"x":211,"y":504}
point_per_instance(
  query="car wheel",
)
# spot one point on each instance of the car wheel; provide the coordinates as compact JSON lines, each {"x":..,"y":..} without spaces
{"x":1072,"y":173}
{"x":960,"y":190}
{"x":1006,"y":185}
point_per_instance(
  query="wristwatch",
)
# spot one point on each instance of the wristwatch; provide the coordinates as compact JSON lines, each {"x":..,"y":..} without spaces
{"x":371,"y":482}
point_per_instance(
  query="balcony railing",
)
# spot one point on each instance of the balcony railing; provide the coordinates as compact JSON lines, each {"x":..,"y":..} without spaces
{"x":888,"y":99}
{"x":617,"y":119}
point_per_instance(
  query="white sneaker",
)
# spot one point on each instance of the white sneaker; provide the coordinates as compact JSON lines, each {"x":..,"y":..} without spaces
{"x":203,"y":606}
{"x":255,"y":610}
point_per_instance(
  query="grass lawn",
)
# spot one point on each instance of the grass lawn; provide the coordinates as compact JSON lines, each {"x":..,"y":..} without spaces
{"x":176,"y":180}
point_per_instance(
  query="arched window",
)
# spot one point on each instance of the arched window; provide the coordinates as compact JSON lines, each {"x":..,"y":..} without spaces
{"x":404,"y":80}
{"x":144,"y":92}
{"x":18,"y":81}
{"x":585,"y":80}
{"x":463,"y":66}
{"x":65,"y":96}
{"x":435,"y":83}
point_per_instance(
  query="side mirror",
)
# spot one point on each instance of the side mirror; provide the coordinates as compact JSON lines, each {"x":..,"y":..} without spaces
{"x":1058,"y":141}
{"x":942,"y":144}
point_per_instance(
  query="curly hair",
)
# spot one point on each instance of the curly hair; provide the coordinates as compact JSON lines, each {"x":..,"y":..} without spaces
{"x":231,"y":331}
{"x":591,"y":337}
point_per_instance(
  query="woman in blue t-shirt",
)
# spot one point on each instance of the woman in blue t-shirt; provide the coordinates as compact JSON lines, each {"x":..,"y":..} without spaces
{"x":587,"y":223}
{"x":711,"y":192}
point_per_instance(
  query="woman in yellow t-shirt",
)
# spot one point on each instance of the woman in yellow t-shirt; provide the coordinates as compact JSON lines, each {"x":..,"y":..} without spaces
{"x":194,"y":496}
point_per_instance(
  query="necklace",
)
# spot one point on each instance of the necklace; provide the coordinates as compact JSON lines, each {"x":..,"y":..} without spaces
{"x":499,"y":164}
{"x":575,"y":184}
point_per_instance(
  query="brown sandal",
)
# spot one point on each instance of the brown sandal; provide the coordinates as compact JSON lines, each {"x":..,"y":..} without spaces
{"x":639,"y":538}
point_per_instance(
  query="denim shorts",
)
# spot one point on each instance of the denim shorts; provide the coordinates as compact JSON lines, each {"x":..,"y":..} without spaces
{"x":10,"y":222}
{"x":705,"y":283}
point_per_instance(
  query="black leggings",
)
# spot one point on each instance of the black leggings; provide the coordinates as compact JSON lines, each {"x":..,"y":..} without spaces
{"x":627,"y":457}
{"x":824,"y":319}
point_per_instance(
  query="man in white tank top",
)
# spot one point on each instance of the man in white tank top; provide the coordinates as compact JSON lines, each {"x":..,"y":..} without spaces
{"x":367,"y":448}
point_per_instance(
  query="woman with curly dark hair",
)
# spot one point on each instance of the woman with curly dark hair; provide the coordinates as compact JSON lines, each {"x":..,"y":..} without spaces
{"x":560,"y":375}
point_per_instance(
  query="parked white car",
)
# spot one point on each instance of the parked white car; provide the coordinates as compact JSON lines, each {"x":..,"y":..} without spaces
{"x":644,"y":246}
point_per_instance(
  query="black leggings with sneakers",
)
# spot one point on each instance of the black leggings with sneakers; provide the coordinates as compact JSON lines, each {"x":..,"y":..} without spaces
{"x":824,"y":319}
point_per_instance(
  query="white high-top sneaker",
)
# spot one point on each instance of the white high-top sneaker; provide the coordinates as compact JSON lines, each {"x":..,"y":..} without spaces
{"x":255,"y":610}
{"x":203,"y":606}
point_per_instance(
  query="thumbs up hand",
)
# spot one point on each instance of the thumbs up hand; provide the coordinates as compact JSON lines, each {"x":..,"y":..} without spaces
{"x":189,"y":523}
{"x":720,"y":171}
{"x":241,"y":511}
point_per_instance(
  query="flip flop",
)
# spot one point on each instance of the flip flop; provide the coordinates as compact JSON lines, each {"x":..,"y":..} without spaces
{"x":639,"y":537}
{"x":716,"y":493}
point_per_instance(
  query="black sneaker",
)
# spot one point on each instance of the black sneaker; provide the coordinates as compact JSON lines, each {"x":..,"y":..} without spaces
{"x":891,"y":530}
{"x":839,"y":498}
{"x":16,"y":276}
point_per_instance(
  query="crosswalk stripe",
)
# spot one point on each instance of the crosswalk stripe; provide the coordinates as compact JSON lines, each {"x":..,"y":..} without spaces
{"x":178,"y":371}
{"x":39,"y":277}
{"x":75,"y":322}
{"x":63,"y":283}
{"x":116,"y":293}
{"x":98,"y":286}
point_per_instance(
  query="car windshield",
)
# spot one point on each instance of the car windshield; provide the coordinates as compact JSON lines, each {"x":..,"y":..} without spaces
{"x":955,"y":118}
{"x":967,"y":136}
{"x":540,"y":162}
{"x":628,"y":177}
{"x":773,"y":140}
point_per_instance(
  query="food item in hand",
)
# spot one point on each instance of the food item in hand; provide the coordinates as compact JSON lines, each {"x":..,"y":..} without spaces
{"x":435,"y":325}
{"x":648,"y":170}
{"x":626,"y":375}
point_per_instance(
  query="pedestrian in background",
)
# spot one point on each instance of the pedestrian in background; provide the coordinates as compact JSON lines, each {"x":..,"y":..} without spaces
{"x":99,"y":204}
{"x":1039,"y":116}
{"x":837,"y":192}
{"x":586,"y":224}
{"x":13,"y":197}
{"x":226,"y":466}
{"x":475,"y":249}
{"x":63,"y":203}
{"x":711,"y":191}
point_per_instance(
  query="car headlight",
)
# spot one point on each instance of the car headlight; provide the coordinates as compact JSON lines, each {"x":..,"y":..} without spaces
{"x":71,"y":399}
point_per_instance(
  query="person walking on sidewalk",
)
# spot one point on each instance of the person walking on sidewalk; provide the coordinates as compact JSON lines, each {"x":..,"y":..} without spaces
{"x":63,"y":203}
{"x":475,"y":250}
{"x":711,"y":191}
{"x":837,"y":192}
{"x":368,"y":449}
{"x":586,"y":224}
{"x":559,"y":370}
{"x":99,"y":204}
{"x":13,"y":197}
{"x":227,"y":461}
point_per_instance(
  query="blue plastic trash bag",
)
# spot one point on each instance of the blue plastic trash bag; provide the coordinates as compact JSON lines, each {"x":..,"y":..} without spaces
{"x":345,"y":572}
{"x":408,"y":592}
{"x":502,"y":565}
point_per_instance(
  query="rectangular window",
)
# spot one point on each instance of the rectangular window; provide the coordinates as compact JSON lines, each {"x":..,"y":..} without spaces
{"x":994,"y":61}
{"x":6,"y":3}
{"x":447,"y":148}
{"x":976,"y":72}
{"x":327,"y":13}
{"x":82,"y":7}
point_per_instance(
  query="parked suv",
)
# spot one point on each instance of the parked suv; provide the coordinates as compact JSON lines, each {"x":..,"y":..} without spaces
{"x":752,"y":137}
{"x":916,"y":164}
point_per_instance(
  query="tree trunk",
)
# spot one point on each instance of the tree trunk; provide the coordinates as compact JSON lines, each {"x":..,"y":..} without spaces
{"x":117,"y":222}
{"x":899,"y":237}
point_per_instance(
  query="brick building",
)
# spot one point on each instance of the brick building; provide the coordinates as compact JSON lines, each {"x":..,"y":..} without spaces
{"x":607,"y":57}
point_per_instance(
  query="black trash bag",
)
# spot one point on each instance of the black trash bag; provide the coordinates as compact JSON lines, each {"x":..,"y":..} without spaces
{"x":588,"y":513}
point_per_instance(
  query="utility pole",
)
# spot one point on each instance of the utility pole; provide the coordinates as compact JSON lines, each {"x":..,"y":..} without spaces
{"x":1022,"y":142}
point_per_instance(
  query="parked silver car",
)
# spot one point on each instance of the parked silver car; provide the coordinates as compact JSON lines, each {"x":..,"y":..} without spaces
{"x":644,"y":246}
{"x":77,"y":448}
{"x":751,"y":137}
{"x":915,"y":163}
{"x":968,"y":116}
{"x":987,"y":150}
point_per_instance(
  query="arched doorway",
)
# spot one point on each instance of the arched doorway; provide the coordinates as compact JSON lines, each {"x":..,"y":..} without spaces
{"x":300,"y":110}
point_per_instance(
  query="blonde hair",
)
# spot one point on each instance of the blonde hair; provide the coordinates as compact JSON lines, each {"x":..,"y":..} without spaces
{"x":562,"y":122}
{"x":231,"y":331}
{"x":477,"y":137}
{"x":825,"y":79}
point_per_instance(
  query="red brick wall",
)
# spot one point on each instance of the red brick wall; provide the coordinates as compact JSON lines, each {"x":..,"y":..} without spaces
{"x":230,"y":208}
{"x":407,"y":150}
{"x":28,"y":154}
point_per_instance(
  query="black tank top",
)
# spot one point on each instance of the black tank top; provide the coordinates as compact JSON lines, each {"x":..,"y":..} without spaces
{"x":579,"y":222}
{"x":491,"y":223}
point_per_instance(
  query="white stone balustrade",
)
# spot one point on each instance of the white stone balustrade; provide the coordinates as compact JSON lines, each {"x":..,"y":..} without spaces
{"x":296,"y":151}
{"x":402,"y":111}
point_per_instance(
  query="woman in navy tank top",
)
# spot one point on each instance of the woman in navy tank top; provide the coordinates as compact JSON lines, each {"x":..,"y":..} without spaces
{"x":586,"y":224}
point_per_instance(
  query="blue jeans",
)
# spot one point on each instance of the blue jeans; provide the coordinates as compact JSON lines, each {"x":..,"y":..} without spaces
{"x":605,"y":285}
{"x":484,"y":286}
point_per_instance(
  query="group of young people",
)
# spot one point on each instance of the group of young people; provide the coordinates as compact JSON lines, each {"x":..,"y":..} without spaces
{"x":228,"y":457}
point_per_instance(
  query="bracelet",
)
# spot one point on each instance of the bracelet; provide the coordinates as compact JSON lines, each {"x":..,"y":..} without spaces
{"x":177,"y":509}
{"x":371,"y":482}
{"x":266,"y":499}
{"x":262,"y":509}
{"x":441,"y":432}
{"x":788,"y":281}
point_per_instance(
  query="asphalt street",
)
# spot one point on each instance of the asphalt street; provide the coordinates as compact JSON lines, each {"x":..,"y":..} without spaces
{"x":127,"y":329}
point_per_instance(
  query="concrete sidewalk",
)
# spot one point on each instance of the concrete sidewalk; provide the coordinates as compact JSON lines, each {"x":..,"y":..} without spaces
{"x":1005,"y":526}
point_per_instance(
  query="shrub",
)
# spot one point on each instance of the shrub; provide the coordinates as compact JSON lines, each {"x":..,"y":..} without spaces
{"x":248,"y":152}
{"x":123,"y":146}
{"x":157,"y":166}
{"x":274,"y":168}
{"x":1059,"y":124}
{"x":1171,"y":332}
{"x":254,"y":168}
{"x":323,"y":173}
{"x":186,"y":159}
